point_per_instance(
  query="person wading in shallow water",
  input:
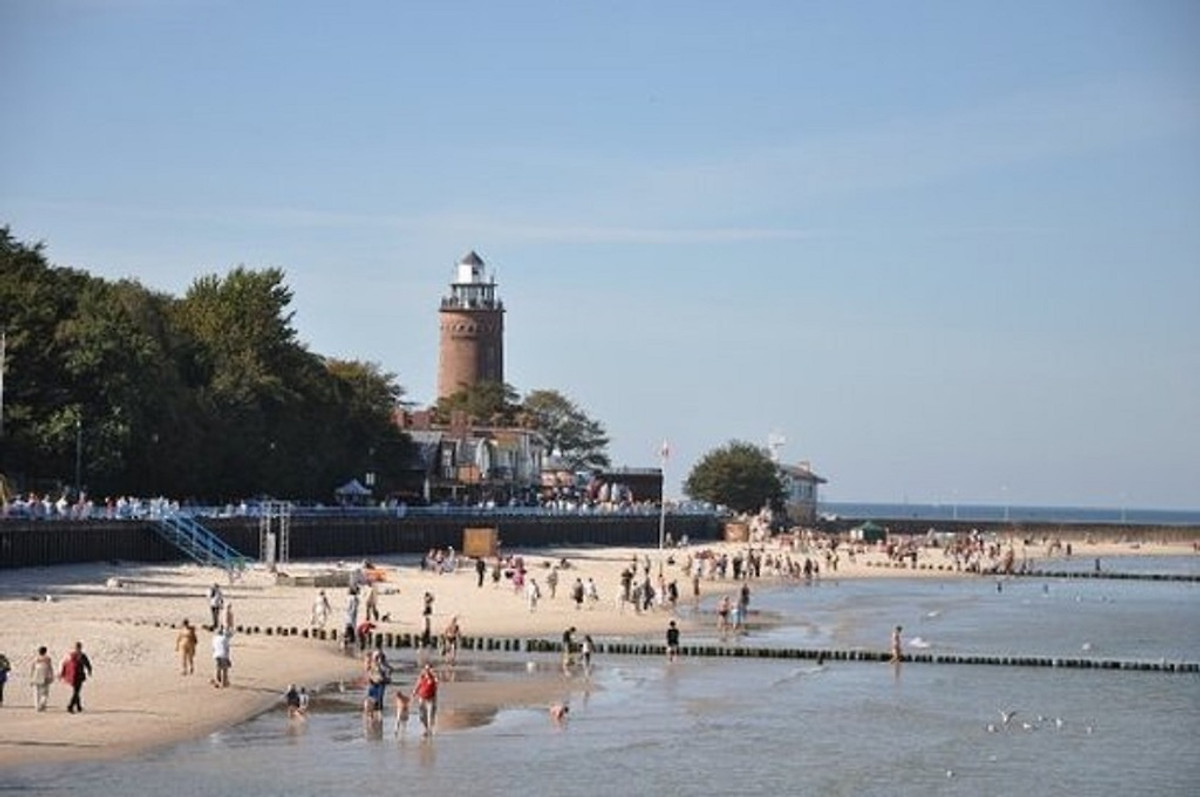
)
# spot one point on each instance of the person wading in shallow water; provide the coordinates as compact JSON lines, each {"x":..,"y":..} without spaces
{"x":425,"y":693}
{"x":897,"y":647}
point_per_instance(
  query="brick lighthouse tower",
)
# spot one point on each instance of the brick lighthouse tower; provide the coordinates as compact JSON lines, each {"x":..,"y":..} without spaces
{"x":471,"y":349}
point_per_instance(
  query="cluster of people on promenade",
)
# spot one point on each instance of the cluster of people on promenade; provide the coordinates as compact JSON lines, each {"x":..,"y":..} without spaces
{"x":81,"y":506}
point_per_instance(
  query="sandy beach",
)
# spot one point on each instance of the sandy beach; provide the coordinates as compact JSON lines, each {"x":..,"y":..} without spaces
{"x":127,"y":617}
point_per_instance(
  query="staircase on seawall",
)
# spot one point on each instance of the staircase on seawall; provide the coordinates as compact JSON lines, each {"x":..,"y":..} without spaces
{"x":200,"y":544}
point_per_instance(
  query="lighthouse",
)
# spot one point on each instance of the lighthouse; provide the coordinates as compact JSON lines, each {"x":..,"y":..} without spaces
{"x":471,"y":318}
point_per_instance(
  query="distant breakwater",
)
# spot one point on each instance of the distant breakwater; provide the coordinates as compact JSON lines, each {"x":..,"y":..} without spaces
{"x":38,"y":543}
{"x":904,"y":564}
{"x":1030,"y":530}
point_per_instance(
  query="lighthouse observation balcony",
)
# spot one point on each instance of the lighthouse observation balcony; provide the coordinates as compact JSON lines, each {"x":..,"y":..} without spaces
{"x":471,"y":302}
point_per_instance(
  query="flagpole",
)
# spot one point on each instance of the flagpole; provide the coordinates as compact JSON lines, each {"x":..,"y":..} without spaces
{"x":664,"y":453}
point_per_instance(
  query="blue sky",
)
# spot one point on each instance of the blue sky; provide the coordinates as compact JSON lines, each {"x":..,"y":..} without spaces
{"x":950,"y":251}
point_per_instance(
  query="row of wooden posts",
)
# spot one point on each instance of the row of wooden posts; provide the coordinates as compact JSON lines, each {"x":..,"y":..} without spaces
{"x":391,"y":640}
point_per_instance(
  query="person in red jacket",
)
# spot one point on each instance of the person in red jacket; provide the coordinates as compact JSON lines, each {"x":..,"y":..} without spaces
{"x":76,"y":668}
{"x":425,"y":693}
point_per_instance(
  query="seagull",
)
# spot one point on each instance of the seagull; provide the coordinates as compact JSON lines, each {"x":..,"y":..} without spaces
{"x":1058,"y":722}
{"x":1026,"y":726}
{"x":991,"y":727}
{"x":1007,"y":715}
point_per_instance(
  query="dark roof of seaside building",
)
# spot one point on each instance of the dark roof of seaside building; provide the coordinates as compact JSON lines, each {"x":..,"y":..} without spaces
{"x":471,"y":259}
{"x":802,"y":471}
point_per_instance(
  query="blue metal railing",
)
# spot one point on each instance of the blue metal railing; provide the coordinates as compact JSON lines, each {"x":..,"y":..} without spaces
{"x":197,"y":542}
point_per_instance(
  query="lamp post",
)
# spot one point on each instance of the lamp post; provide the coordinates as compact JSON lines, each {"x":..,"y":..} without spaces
{"x":78,"y":454}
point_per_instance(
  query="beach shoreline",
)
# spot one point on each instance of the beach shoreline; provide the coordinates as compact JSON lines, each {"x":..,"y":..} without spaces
{"x":127,"y":617}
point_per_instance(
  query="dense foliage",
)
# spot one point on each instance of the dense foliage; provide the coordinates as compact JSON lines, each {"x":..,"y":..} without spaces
{"x":567,"y":431}
{"x":739,"y":475}
{"x":209,"y":396}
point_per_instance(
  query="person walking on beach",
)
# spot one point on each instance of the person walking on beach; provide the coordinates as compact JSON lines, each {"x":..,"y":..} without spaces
{"x":76,"y":668}
{"x":897,"y":648}
{"x":320,"y":610}
{"x":185,"y":646}
{"x":532,"y":593}
{"x":216,"y":601}
{"x":372,"y":603}
{"x":222,"y":660}
{"x":425,"y":693}
{"x":427,"y":620}
{"x":723,"y":609}
{"x":41,"y":675}
{"x":672,"y":641}
{"x":351,"y":619}
{"x":4,"y":668}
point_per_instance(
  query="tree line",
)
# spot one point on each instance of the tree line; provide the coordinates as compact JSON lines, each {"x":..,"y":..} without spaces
{"x":119,"y":389}
{"x":211,"y":396}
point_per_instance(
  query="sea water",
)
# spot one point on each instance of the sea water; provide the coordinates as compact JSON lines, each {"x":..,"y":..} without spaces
{"x":775,"y":726}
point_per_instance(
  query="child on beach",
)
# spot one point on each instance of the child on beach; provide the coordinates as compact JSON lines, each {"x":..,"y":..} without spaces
{"x":292,"y":699}
{"x":402,"y":711}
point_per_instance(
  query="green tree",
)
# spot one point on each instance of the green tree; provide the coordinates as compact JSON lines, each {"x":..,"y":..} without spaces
{"x":130,"y":401}
{"x":567,"y":430}
{"x":41,"y":404}
{"x":739,"y":475}
{"x":208,"y":397}
{"x":363,"y":436}
{"x":488,"y":403}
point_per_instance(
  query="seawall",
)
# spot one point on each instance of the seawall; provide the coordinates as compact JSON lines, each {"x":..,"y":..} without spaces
{"x":25,"y":543}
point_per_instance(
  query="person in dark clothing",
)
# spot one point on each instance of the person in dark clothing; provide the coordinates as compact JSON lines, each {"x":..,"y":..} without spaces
{"x":75,"y":670}
{"x":672,"y":641}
